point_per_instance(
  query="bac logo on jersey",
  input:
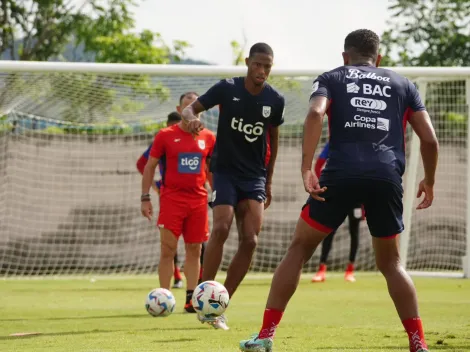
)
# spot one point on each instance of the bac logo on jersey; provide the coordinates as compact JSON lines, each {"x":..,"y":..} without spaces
{"x":266,"y":111}
{"x":189,"y":163}
{"x":202,"y":144}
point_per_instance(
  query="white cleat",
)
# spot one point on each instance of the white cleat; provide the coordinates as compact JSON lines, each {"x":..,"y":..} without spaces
{"x":219,"y":322}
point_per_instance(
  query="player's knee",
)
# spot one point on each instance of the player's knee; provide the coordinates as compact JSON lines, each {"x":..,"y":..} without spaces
{"x":220,"y":232}
{"x":168,"y":251}
{"x":249,"y":243}
{"x":193,"y":250}
{"x":388,"y":265}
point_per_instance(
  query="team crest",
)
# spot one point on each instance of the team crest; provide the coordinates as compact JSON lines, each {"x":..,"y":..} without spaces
{"x":266,"y":111}
{"x":202,"y":144}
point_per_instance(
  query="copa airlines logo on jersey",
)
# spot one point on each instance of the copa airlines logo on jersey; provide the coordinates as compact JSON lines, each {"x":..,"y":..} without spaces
{"x":189,"y":163}
{"x":367,"y":122}
{"x":251,"y":132}
{"x":358,"y":74}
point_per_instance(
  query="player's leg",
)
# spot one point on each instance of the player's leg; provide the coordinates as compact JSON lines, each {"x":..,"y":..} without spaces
{"x":251,"y":215}
{"x":384,"y":209}
{"x":178,"y":283}
{"x":317,"y":220}
{"x":326,"y":244}
{"x":224,"y":198}
{"x":354,"y":219}
{"x":195,"y":232}
{"x":168,"y":245}
{"x":170,"y":223}
{"x":203,"y":248}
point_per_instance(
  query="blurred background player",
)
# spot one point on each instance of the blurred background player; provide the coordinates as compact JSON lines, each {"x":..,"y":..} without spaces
{"x":183,"y":198}
{"x":355,"y":215}
{"x":173,"y":118}
{"x":251,"y":112}
{"x":366,"y":163}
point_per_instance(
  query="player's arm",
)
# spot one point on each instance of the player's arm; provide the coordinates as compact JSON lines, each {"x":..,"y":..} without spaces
{"x":421,"y":124}
{"x":156,"y":152}
{"x":424,"y":129}
{"x":206,"y":101}
{"x":312,"y":130}
{"x":274,"y":144}
{"x":141,"y":162}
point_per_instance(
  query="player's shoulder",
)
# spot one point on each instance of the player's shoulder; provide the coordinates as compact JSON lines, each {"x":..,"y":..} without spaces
{"x":165,"y":131}
{"x":274,"y":94}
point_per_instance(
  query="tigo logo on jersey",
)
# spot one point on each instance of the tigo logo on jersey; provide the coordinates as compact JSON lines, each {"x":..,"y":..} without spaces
{"x":266,"y":111}
{"x":189,"y":163}
{"x":251,"y":132}
{"x":355,"y":73}
{"x":352,"y":88}
{"x":367,"y":103}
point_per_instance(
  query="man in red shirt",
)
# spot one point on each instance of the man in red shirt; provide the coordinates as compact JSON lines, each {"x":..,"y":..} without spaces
{"x":183,"y":199}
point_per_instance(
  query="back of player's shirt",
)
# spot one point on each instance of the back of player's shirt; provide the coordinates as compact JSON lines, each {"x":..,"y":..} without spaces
{"x":242,"y":145}
{"x":367,"y":116}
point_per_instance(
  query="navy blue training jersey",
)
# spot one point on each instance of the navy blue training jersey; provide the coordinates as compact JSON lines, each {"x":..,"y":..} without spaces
{"x":242,"y":144}
{"x":367,"y":116}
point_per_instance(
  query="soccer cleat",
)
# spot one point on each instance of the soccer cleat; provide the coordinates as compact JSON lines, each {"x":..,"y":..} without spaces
{"x":188,"y":308}
{"x":320,"y":276}
{"x":219,"y":322}
{"x":178,"y":284}
{"x":422,"y":350}
{"x":349,"y":274}
{"x":257,"y":344}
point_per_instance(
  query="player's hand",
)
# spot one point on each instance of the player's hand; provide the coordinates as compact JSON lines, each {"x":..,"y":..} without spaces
{"x":269,"y":196}
{"x":146,"y":209}
{"x":428,"y":191}
{"x":312,"y":185}
{"x":195,"y":126}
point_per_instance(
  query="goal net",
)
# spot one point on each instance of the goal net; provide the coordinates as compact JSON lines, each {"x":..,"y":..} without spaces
{"x":70,"y":136}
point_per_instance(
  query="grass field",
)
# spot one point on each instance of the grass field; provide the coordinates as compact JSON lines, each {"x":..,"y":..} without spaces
{"x":108,"y":315}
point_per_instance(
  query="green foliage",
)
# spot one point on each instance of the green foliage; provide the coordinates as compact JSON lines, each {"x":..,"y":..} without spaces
{"x":106,"y":30}
{"x":433,"y":33}
{"x":428,"y":33}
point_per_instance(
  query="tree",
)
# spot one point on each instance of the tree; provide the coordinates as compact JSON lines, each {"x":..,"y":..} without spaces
{"x":433,"y":33}
{"x":428,"y":33}
{"x":41,"y":29}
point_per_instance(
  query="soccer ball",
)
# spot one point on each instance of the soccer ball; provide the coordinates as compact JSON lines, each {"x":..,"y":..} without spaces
{"x":210,"y":299}
{"x":160,"y":302}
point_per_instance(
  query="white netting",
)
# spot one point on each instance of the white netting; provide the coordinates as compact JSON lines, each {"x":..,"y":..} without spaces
{"x":438,"y":235}
{"x":70,"y":190}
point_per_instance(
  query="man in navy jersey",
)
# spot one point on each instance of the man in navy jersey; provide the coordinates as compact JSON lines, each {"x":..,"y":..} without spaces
{"x":368,"y":109}
{"x":242,"y":163}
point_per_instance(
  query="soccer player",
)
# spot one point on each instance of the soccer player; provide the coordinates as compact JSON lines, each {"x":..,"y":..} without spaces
{"x":368,"y":108}
{"x":172,"y":119}
{"x":183,"y":199}
{"x":354,"y":218}
{"x":242,"y":164}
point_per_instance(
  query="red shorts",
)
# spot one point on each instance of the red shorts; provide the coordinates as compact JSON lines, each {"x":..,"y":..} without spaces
{"x":184,"y":217}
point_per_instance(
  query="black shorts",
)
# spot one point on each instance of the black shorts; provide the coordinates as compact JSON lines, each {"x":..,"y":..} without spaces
{"x":230,"y":190}
{"x":382,"y":201}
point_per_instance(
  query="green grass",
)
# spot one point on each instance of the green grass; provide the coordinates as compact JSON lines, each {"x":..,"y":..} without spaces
{"x":109,"y":315}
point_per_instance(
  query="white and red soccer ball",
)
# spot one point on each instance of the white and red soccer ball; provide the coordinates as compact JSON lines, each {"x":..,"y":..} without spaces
{"x":160,"y":302}
{"x":210,"y":299}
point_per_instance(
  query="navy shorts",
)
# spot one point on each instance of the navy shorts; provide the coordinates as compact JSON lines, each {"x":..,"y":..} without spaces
{"x":382,"y":200}
{"x":230,"y":190}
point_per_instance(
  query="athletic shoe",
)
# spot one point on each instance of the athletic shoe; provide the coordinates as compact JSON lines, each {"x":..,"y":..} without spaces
{"x":257,"y":344}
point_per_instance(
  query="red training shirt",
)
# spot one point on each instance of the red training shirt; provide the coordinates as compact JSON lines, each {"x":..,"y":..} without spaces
{"x":184,"y":160}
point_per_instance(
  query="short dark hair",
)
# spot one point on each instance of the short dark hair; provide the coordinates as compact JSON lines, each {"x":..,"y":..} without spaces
{"x":174,"y":117}
{"x":362,"y":42}
{"x":187,"y":94}
{"x":261,"y":48}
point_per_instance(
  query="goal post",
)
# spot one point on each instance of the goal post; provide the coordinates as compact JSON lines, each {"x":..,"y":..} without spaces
{"x":71,"y":133}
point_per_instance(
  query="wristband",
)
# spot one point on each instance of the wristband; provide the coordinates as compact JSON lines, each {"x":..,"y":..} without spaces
{"x":145,"y":197}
